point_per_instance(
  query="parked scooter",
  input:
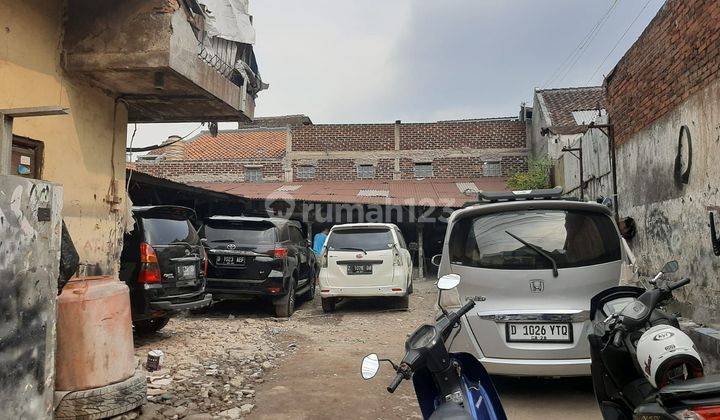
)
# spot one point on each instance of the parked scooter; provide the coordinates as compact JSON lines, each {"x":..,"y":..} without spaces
{"x":447,"y":385}
{"x":643,"y":365}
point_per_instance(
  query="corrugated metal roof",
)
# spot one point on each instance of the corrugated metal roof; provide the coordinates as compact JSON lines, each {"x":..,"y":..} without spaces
{"x":373,"y":193}
{"x":426,"y":193}
{"x":467,"y":188}
{"x":287,"y":188}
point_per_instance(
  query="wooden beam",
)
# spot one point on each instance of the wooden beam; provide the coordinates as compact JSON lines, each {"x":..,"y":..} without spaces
{"x":38,"y":111}
{"x":6,"y":123}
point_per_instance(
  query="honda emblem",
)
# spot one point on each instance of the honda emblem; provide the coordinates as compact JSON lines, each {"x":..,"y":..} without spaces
{"x":537,"y":286}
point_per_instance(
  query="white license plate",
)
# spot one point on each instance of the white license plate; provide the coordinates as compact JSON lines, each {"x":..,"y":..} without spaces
{"x":540,"y":332}
{"x":187,"y":272}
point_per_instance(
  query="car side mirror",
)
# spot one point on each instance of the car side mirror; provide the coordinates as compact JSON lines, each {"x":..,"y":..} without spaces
{"x":670,"y":267}
{"x":436,"y":260}
{"x":413,"y":246}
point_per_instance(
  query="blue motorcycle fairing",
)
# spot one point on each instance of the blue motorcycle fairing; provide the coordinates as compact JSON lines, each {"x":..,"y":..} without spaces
{"x":477,"y":385}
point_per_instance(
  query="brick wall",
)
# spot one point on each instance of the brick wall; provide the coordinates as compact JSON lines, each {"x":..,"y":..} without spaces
{"x":348,"y":137}
{"x":677,"y":55}
{"x":464,"y":167}
{"x":488,"y":134}
{"x":211,"y":171}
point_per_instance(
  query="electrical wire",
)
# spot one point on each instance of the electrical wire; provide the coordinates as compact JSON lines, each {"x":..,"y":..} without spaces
{"x":160,"y":146}
{"x":620,"y":40}
{"x":578,"y":51}
{"x":127,"y":185}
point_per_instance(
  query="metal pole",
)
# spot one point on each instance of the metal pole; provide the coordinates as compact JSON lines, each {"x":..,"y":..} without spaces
{"x":421,"y":251}
{"x":582,"y":191}
{"x":611,"y":140}
{"x":6,"y":136}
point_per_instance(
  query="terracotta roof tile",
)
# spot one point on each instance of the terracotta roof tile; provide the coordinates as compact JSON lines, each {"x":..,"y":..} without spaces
{"x":231,"y":145}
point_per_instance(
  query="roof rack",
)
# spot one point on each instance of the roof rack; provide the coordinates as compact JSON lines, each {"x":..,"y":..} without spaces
{"x":543,"y":194}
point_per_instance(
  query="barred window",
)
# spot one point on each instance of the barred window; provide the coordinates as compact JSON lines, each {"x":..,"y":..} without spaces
{"x":492,"y":168}
{"x":253,"y":175}
{"x":305,"y":172}
{"x":423,"y":170}
{"x":366,"y":171}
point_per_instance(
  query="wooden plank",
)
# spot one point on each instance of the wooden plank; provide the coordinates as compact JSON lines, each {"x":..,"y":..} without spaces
{"x":6,"y":123}
{"x":39,"y":111}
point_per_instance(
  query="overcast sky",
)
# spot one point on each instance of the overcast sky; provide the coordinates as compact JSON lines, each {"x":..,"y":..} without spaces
{"x":420,"y":60}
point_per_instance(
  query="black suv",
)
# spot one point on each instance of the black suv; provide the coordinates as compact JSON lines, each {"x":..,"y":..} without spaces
{"x":163,"y":263}
{"x":253,"y":256}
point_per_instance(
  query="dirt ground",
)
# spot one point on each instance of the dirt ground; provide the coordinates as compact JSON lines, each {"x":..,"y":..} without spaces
{"x":238,"y":362}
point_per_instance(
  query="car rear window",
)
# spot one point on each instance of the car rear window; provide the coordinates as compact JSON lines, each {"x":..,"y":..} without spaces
{"x":571,"y":238}
{"x":366,"y":239}
{"x":242,"y":232}
{"x":162,"y":231}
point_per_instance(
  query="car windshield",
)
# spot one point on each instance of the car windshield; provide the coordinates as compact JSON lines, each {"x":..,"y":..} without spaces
{"x":242,"y":232}
{"x":163,"y":231}
{"x":571,"y":238}
{"x":366,"y":239}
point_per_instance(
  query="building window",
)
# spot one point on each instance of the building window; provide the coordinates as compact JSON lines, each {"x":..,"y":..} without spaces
{"x":366,"y":171}
{"x":423,"y":170}
{"x":305,"y":172}
{"x":253,"y":175}
{"x":492,"y":168}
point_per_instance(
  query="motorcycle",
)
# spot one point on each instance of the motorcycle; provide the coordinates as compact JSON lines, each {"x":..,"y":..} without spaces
{"x":447,"y":385}
{"x":643,"y":365}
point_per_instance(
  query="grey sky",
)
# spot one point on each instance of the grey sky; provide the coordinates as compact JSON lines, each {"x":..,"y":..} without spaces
{"x":422,"y":60}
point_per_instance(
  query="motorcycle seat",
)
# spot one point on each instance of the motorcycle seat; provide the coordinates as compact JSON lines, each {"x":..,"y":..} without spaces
{"x":706,"y":386}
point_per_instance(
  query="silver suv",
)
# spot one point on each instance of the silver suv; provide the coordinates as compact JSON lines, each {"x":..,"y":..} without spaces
{"x":532,"y":261}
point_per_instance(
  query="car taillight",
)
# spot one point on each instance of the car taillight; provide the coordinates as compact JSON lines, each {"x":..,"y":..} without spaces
{"x":149,"y":268}
{"x":711,"y":412}
{"x":279,"y":253}
{"x":397,"y":260}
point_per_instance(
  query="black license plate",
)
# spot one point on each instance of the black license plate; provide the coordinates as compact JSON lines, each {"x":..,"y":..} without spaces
{"x":359,"y":269}
{"x":230,"y":260}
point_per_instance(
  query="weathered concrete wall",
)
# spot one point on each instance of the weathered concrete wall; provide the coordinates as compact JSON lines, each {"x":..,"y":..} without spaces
{"x":30,"y":227}
{"x":672,"y":217}
{"x":84,"y":151}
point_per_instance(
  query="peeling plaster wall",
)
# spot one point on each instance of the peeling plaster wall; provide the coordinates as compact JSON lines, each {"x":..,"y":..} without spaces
{"x":79,"y":146}
{"x":672,"y":218}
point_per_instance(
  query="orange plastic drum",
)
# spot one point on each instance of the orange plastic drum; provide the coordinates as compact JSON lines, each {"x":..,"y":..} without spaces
{"x":94,"y":334}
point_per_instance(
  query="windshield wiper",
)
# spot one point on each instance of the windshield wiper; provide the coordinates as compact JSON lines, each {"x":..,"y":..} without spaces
{"x":352,"y":249}
{"x":539,"y":251}
{"x":222,"y":240}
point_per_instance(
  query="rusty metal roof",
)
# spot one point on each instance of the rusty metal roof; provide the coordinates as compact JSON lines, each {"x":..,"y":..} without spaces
{"x":422,"y":193}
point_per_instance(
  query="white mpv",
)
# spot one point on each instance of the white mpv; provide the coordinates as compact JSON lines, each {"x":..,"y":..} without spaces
{"x":365,"y":260}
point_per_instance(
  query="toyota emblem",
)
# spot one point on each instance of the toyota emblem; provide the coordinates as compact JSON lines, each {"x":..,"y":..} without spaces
{"x":359,"y":256}
{"x":231,"y":246}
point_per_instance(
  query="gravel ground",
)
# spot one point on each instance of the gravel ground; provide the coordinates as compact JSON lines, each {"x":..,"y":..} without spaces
{"x":238,"y":362}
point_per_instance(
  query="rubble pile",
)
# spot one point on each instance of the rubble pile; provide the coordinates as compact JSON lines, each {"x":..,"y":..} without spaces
{"x":211,"y":366}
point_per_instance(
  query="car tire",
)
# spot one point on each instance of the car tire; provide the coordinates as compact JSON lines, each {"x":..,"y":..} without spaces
{"x":107,"y":401}
{"x":285,"y":306}
{"x":328,"y":304}
{"x":404,"y":302}
{"x":151,"y":326}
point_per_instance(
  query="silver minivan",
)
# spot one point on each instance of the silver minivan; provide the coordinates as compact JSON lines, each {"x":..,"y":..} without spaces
{"x":532,"y":266}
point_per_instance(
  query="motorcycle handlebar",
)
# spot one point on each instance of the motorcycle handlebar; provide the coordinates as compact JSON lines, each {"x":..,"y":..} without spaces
{"x":678,"y":284}
{"x":395,"y":383}
{"x":455,"y":316}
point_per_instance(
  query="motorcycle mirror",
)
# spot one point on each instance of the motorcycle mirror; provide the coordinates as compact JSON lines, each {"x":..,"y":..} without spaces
{"x":670,"y":267}
{"x":370,"y":366}
{"x":448,"y":282}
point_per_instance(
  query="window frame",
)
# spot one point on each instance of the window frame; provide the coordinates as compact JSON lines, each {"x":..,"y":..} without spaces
{"x":365,"y":166}
{"x":492,"y":162}
{"x":258,"y":171}
{"x":312,"y":170}
{"x":423,"y":165}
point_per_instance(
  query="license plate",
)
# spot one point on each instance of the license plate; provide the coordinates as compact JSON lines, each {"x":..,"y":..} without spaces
{"x":538,"y":333}
{"x":230,"y":260}
{"x":359,"y":269}
{"x":187,"y":272}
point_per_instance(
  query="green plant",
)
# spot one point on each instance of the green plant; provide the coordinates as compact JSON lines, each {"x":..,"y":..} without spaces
{"x":536,"y":177}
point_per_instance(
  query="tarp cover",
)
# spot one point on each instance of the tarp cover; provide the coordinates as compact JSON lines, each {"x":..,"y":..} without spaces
{"x":229,"y":19}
